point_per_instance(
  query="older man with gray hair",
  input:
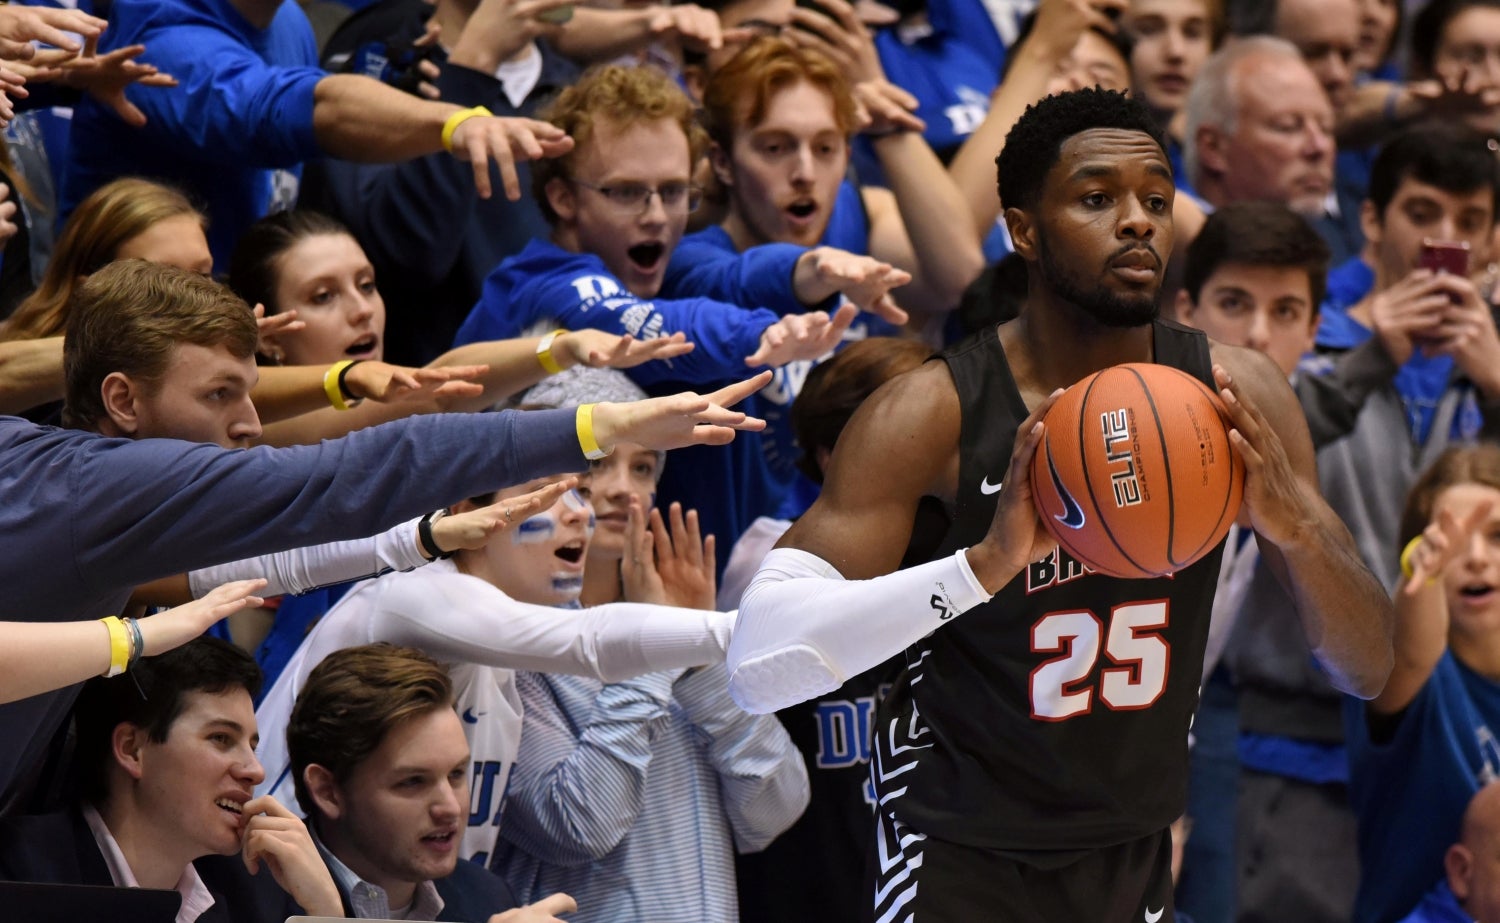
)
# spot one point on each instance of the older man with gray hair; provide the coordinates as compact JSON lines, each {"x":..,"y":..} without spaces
{"x":1259,"y":126}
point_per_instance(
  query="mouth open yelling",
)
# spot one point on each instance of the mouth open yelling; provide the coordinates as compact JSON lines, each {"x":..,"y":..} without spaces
{"x":646,"y":256}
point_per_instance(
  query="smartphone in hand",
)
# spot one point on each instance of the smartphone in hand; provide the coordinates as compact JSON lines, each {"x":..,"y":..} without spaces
{"x":1450,"y":256}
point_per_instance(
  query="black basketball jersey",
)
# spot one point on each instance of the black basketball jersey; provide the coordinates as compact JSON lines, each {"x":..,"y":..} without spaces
{"x":1055,"y":716}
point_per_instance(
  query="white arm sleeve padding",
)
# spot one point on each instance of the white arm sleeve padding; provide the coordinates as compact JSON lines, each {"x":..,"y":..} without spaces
{"x":463,"y":619}
{"x":303,"y":569}
{"x":803,"y":629}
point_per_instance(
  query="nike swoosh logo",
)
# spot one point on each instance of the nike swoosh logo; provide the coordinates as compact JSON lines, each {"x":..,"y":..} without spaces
{"x":472,"y":718}
{"x":1153,"y":915}
{"x":1072,"y":513}
{"x":986,"y":488}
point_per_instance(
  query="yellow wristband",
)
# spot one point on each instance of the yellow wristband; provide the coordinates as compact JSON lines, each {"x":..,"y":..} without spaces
{"x":119,"y":645}
{"x":331,"y":384}
{"x":544,"y":353}
{"x":457,"y":119}
{"x":1407,"y":569}
{"x":585,"y":423}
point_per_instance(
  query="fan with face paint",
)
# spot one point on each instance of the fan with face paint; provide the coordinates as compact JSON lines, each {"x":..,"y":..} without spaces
{"x":541,"y":560}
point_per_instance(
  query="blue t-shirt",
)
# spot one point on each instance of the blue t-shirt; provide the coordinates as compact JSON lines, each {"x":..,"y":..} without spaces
{"x":1411,"y":791}
{"x":234,"y":132}
{"x":1439,"y":906}
{"x":951,"y":66}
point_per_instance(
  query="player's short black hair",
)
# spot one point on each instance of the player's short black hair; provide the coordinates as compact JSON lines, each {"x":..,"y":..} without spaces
{"x":1033,"y":145}
{"x":1427,"y":30}
{"x":151,"y":696}
{"x":1454,"y":158}
{"x":1257,"y":234}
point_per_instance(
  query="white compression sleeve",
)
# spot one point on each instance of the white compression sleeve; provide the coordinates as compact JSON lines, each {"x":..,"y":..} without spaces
{"x":803,"y":629}
{"x":464,"y":619}
{"x":303,"y":569}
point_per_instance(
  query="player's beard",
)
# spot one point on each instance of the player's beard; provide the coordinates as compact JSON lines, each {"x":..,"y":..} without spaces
{"x":1109,"y":308}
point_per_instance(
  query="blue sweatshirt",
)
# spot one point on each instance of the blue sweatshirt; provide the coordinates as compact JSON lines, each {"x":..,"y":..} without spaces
{"x":545,"y":287}
{"x":232,"y":134}
{"x":86,"y":518}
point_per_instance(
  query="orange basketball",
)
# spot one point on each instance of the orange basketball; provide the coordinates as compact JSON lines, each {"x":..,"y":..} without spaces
{"x":1135,"y":476}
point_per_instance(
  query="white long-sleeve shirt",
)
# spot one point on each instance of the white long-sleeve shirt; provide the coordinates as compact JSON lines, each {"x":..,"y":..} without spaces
{"x":484,"y":635}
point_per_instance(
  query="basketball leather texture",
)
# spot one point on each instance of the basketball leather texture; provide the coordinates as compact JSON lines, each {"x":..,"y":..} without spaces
{"x":1135,"y":476}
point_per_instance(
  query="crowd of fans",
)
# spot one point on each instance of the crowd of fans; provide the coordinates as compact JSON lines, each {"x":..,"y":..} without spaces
{"x":285,"y":594}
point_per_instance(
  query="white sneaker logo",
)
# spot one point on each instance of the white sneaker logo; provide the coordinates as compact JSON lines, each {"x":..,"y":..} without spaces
{"x":986,"y":488}
{"x":1153,"y":915}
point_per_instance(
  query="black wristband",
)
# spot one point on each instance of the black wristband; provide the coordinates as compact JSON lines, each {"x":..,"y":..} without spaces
{"x":344,"y":386}
{"x":424,"y":536}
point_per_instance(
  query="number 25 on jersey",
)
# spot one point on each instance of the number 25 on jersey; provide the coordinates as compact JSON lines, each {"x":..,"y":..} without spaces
{"x":1137,"y":654}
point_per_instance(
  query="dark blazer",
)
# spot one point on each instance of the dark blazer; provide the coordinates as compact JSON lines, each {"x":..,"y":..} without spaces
{"x":60,"y":849}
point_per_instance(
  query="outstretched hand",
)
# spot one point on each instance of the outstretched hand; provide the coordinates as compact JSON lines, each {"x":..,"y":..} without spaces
{"x":679,"y":419}
{"x":106,"y":77}
{"x":600,"y":349}
{"x":269,"y":327}
{"x":802,"y":337}
{"x":21,"y":25}
{"x":386,"y":383}
{"x":473,"y":529}
{"x":181,"y":624}
{"x":506,"y":141}
{"x":864,"y":280}
{"x":1440,"y":544}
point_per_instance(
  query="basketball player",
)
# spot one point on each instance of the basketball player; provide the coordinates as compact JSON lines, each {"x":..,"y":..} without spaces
{"x":1030,"y":759}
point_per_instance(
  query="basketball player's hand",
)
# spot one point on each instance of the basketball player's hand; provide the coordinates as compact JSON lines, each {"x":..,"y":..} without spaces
{"x":1016,"y":537}
{"x":1440,"y":543}
{"x":679,"y":419}
{"x":1409,"y":314}
{"x":543,"y":911}
{"x":474,"y":528}
{"x":1467,"y":333}
{"x":276,"y":836}
{"x":1276,"y":501}
{"x":802,"y":337}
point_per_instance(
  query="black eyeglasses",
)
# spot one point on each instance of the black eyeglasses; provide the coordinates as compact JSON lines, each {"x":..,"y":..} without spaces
{"x":636,"y":197}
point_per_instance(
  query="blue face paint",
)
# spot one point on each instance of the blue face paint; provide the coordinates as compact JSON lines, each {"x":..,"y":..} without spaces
{"x":567,"y":584}
{"x":534,"y":531}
